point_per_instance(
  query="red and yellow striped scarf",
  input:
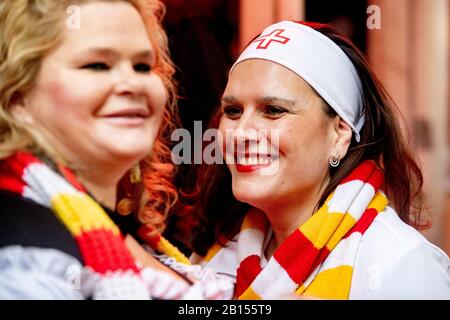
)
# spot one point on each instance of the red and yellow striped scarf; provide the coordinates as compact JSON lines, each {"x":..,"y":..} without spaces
{"x":100,"y":241}
{"x":317,"y":259}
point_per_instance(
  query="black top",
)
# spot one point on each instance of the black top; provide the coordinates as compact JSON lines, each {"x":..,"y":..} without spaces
{"x":26,"y":223}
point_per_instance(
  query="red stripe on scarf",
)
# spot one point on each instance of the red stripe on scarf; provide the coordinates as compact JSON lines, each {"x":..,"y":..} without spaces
{"x":368,"y":172}
{"x":104,"y":251}
{"x":323,"y":254}
{"x":364,"y":222}
{"x":246,"y":273}
{"x":361,"y":172}
{"x":297,"y":265}
{"x":376,"y":179}
{"x":70,"y":177}
{"x":12,"y":170}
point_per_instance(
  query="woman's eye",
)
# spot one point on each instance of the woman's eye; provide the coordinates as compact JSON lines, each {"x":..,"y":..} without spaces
{"x":97,"y":66}
{"x":232,"y":112}
{"x":142,"y":67}
{"x":275,"y":112}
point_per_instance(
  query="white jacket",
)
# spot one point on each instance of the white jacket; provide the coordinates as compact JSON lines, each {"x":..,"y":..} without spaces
{"x":395,"y":261}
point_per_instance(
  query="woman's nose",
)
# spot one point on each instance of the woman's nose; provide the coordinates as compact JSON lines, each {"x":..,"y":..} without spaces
{"x":128,"y":82}
{"x":248,"y":128}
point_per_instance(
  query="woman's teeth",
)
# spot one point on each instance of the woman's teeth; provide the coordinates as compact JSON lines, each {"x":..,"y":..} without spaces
{"x":253,"y":161}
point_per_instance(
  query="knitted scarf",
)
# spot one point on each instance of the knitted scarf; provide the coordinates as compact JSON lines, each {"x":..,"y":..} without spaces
{"x":317,"y":259}
{"x":100,"y":242}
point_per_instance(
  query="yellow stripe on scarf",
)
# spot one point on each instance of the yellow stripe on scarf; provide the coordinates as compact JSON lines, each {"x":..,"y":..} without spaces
{"x":249,"y":294}
{"x":346,"y":224}
{"x":330,"y":284}
{"x":68,"y":208}
{"x":379,"y":202}
{"x":169,"y":249}
{"x":323,"y":223}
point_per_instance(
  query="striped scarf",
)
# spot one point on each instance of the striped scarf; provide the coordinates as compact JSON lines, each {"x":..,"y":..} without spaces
{"x":100,"y":241}
{"x":317,"y":259}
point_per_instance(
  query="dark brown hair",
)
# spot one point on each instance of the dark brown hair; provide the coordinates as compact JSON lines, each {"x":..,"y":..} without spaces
{"x":220,"y":214}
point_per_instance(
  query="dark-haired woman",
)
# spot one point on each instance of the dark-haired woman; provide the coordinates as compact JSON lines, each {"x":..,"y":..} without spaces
{"x":319,"y":195}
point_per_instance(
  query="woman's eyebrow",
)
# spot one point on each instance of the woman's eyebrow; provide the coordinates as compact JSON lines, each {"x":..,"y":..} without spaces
{"x":108,"y":52}
{"x":278,"y":100}
{"x":269,"y":100}
{"x":146,"y":54}
{"x":101,"y":51}
{"x":228,"y":99}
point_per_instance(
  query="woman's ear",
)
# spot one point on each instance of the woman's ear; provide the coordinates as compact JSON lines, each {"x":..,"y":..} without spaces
{"x":343,"y":137}
{"x":19,"y":110}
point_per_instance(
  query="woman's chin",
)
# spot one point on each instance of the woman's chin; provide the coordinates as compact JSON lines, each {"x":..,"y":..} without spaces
{"x":130,"y":152}
{"x":128,"y":144}
{"x":255,"y":198}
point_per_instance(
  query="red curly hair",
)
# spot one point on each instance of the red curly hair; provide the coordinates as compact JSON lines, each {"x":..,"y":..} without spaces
{"x":153,"y":199}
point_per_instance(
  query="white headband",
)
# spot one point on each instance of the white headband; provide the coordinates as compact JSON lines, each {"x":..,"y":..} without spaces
{"x":318,"y":60}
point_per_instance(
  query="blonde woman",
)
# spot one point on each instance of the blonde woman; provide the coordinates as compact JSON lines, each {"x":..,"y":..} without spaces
{"x":86,"y":91}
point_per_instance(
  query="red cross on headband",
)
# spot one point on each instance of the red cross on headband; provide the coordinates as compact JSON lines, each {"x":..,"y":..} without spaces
{"x":274,"y":36}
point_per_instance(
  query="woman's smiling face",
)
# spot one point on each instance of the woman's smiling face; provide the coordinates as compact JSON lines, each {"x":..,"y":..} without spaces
{"x":264,"y":100}
{"x":96,"y":98}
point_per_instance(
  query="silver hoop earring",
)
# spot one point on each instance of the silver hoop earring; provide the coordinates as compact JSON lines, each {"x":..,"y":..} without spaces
{"x":334,"y":160}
